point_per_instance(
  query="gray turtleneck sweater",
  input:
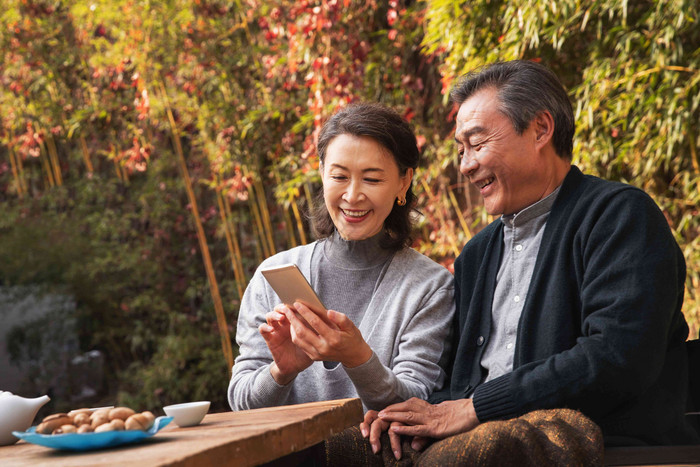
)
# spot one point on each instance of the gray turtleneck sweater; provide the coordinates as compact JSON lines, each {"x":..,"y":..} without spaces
{"x":402,"y":303}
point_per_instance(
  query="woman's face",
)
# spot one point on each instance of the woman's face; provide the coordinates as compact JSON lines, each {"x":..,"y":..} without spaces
{"x":361,"y":182}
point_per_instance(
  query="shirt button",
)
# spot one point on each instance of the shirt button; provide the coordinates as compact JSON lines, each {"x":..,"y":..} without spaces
{"x":516,"y":299}
{"x":480,"y":340}
{"x":518,"y":248}
{"x":509,"y":346}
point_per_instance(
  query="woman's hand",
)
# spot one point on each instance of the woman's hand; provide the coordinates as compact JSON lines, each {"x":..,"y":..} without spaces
{"x":332,"y":337}
{"x":372,"y":427}
{"x":289,"y":360}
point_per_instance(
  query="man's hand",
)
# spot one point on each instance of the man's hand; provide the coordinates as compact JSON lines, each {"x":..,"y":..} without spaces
{"x":420,"y":418}
{"x":331,"y":336}
{"x":373,"y":427}
{"x":289,"y":360}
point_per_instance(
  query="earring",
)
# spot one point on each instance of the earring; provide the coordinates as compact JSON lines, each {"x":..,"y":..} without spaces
{"x":401,"y":201}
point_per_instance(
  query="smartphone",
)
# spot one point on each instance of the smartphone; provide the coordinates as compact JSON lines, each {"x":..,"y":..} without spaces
{"x":291,"y":286}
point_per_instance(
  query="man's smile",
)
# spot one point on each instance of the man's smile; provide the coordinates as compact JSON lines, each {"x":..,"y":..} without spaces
{"x":481,"y":184}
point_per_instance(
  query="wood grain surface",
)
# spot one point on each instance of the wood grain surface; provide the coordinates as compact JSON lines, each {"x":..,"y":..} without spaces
{"x":244,"y":438}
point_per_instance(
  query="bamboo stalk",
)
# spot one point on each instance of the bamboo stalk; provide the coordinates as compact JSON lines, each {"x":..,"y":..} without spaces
{"x":53,"y":155}
{"x":47,"y":166}
{"x":86,"y":154}
{"x":204,"y":247}
{"x":307,"y":195}
{"x":236,"y":246}
{"x":113,"y":156}
{"x":300,"y":224}
{"x":118,"y":166}
{"x":292,"y":240}
{"x":259,"y":253}
{"x":656,"y":69}
{"x":426,"y":233}
{"x":15,"y":172}
{"x":309,"y":200}
{"x":118,"y":170}
{"x":695,"y":161}
{"x":453,"y":241}
{"x":265,"y":214}
{"x":229,"y":241}
{"x":288,"y":219}
{"x":125,"y":174}
{"x":460,"y":216}
{"x":20,"y":169}
{"x":262,"y":242}
{"x":694,"y":153}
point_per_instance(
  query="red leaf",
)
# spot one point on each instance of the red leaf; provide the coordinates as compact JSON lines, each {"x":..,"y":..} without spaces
{"x":391,"y":16}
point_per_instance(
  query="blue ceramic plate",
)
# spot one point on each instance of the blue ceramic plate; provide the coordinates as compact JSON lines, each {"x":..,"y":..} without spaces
{"x":89,"y":441}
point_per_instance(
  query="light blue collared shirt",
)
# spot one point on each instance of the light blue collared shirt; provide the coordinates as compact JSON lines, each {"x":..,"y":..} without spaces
{"x":522,"y":235}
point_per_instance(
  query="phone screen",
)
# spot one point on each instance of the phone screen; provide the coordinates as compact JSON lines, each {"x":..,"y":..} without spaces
{"x":291,"y":286}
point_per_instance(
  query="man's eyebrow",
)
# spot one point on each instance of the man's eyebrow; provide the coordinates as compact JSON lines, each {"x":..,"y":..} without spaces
{"x":467,"y":133}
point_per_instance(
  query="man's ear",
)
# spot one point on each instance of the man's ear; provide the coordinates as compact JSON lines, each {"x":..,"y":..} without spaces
{"x":544,"y":127}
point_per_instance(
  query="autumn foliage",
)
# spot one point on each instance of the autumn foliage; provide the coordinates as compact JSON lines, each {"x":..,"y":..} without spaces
{"x":153,"y":153}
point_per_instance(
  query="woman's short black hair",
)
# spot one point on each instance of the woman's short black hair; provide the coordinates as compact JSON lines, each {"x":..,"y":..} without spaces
{"x":386,"y":127}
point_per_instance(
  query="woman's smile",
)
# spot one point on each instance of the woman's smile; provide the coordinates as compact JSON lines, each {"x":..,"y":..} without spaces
{"x":361,"y":183}
{"x":355,"y":215}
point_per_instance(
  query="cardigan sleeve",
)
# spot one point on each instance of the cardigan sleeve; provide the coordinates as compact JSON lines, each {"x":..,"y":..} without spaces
{"x":626,"y":276}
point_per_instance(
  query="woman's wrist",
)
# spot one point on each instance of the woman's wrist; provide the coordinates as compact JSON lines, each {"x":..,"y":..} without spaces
{"x":280,"y":378}
{"x":359,"y":358}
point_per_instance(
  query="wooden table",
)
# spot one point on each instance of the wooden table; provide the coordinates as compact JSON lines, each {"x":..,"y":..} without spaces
{"x":244,"y":438}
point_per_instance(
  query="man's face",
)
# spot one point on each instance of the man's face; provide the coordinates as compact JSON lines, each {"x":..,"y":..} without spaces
{"x":507,"y":168}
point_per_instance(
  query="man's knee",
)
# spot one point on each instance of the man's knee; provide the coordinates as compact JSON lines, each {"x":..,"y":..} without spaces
{"x":538,"y":438}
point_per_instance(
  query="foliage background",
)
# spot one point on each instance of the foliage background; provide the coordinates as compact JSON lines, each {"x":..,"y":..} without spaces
{"x":153,"y":153}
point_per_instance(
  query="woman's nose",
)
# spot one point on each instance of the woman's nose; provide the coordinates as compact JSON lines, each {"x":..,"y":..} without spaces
{"x":353,"y":193}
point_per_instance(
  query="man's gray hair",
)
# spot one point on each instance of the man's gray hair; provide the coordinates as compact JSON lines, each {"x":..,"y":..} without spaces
{"x":525,"y":88}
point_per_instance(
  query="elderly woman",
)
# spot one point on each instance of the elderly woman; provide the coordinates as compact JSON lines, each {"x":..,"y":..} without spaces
{"x":389,"y":307}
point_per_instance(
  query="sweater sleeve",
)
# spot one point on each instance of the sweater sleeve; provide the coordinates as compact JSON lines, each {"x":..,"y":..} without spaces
{"x":252,"y":386}
{"x":628,"y":274}
{"x":417,"y":368}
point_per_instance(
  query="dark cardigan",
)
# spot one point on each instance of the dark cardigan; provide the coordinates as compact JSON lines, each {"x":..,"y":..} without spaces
{"x":601,"y":330}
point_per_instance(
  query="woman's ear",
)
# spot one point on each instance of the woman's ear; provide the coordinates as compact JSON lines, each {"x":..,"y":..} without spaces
{"x":406,"y":181}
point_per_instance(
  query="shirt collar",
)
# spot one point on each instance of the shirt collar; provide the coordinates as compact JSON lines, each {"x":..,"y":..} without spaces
{"x":534,"y":210}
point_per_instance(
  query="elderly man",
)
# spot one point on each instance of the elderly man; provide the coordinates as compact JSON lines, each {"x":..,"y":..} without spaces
{"x":571,"y":299}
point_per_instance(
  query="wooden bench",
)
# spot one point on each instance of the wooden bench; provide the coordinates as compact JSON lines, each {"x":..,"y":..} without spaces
{"x":668,"y":455}
{"x":653,"y":455}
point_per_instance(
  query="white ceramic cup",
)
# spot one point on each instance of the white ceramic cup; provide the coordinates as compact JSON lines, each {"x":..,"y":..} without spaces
{"x":187,"y":414}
